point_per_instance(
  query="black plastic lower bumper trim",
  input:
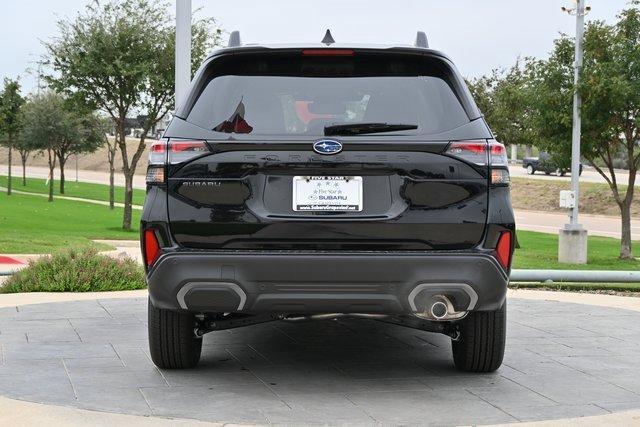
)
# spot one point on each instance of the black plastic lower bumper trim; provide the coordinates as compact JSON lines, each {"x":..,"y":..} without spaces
{"x":388,"y":283}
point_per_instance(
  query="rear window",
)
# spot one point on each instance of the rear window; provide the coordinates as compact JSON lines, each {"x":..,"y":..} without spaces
{"x":296,"y":95}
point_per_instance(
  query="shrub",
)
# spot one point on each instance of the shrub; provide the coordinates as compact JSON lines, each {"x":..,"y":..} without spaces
{"x":77,"y":270}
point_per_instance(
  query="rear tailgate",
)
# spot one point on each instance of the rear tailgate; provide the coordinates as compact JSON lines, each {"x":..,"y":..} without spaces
{"x":242,"y":197}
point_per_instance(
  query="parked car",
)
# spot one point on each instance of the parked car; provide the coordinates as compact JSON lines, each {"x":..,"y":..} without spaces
{"x":319,"y":181}
{"x":545,"y":163}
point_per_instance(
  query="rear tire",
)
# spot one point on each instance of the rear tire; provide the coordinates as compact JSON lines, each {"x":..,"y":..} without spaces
{"x":481,"y":344}
{"x":530,"y":170}
{"x":172,"y":340}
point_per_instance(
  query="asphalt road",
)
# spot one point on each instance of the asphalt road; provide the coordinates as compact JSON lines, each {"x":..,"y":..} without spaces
{"x":588,"y":175}
{"x":527,"y":220}
{"x":549,"y":222}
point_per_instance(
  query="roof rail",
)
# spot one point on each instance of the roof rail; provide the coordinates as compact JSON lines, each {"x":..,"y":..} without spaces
{"x":234,"y":39}
{"x":421,"y":40}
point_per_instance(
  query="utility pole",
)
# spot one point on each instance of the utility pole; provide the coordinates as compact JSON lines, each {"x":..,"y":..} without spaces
{"x":573,"y":237}
{"x":183,"y":50}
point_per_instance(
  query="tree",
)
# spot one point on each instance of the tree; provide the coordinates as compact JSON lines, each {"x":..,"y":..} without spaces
{"x":610,"y":89}
{"x":10,"y":103}
{"x":502,"y":96}
{"x":44,"y":125}
{"x":52,"y":126}
{"x":118,"y":56}
{"x":25,"y":147}
{"x":81,"y":134}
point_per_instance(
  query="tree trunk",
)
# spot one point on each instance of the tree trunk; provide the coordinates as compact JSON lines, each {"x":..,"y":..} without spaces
{"x":111,"y":157}
{"x":128,"y":200}
{"x":128,"y":177}
{"x":112,"y":171}
{"x":626,"y":251}
{"x":23,"y":159}
{"x":9,"y":172}
{"x":52,"y":167}
{"x":62,"y":161}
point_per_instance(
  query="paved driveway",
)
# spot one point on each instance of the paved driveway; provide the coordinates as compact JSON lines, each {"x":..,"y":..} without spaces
{"x":92,"y":354}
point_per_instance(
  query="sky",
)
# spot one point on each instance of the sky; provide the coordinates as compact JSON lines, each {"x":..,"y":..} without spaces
{"x":479,"y":35}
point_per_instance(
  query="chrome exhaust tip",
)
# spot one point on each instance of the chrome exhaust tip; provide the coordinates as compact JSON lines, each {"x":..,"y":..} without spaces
{"x":439,"y":310}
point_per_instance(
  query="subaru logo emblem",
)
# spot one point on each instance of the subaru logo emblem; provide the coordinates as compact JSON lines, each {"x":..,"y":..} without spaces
{"x":327,"y":146}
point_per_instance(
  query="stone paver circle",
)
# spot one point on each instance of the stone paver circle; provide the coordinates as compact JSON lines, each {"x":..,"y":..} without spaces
{"x":563,"y":360}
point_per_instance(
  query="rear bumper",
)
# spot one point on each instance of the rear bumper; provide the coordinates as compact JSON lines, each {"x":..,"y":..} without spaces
{"x":388,"y":283}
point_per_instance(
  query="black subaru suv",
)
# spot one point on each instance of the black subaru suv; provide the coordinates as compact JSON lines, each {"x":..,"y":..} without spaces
{"x":318,"y":181}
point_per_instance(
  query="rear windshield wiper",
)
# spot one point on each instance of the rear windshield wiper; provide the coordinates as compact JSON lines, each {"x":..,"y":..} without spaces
{"x":364,"y":128}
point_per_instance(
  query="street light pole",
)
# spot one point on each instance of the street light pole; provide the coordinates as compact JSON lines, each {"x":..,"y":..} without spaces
{"x":577,"y":117}
{"x":573,"y":237}
{"x":183,"y":50}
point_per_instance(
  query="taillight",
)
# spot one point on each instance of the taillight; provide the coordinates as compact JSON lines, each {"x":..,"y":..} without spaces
{"x":500,"y":177}
{"x":158,"y":152}
{"x":155,"y":174}
{"x":171,"y":151}
{"x":181,"y":150}
{"x":157,"y":161}
{"x":503,"y":249}
{"x":471,"y":151}
{"x":151,"y":247}
{"x":498,"y":154}
{"x":483,"y":153}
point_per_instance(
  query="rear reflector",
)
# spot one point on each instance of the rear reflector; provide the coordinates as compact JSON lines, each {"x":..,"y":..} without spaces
{"x":151,"y":247}
{"x":503,"y":249}
{"x":328,"y":52}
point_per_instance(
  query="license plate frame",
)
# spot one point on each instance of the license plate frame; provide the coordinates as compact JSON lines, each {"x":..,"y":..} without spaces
{"x":332,"y":194}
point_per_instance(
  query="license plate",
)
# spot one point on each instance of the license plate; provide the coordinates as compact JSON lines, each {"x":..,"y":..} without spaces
{"x":327,"y":193}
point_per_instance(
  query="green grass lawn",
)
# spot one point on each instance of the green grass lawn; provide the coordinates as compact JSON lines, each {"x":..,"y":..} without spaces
{"x":578,"y":287}
{"x":30,"y":224}
{"x":84,"y":190}
{"x":540,"y":251}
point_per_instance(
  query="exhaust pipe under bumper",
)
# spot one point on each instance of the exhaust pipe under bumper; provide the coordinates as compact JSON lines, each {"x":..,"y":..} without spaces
{"x":442,"y":302}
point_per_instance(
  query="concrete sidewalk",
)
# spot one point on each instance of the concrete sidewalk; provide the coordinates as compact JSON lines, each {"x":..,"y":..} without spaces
{"x":95,"y":177}
{"x":75,"y":199}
